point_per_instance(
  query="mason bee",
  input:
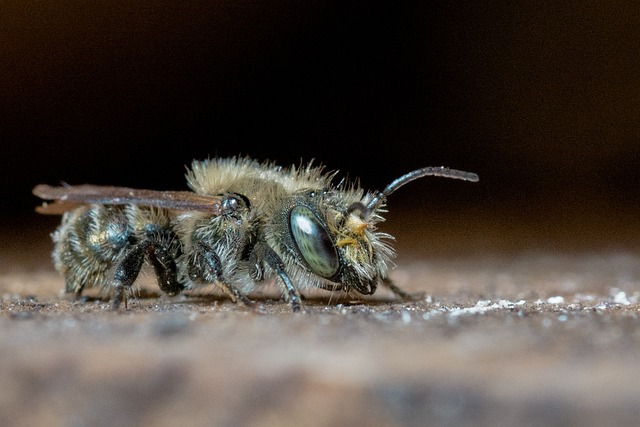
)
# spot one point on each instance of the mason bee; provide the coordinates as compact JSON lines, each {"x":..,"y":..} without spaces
{"x":243,"y":222}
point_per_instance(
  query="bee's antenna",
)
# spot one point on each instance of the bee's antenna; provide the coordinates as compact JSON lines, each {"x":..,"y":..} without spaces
{"x":418,"y":173}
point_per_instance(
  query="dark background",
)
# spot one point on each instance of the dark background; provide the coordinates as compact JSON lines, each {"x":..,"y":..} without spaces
{"x":542,"y":101}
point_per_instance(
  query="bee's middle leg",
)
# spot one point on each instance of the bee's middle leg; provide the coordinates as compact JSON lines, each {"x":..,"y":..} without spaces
{"x":213,"y":273}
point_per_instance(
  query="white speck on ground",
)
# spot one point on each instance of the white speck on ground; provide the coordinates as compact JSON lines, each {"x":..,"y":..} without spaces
{"x":556,"y":300}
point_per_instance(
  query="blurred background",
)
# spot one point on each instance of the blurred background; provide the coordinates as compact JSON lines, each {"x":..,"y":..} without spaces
{"x":542,"y":101}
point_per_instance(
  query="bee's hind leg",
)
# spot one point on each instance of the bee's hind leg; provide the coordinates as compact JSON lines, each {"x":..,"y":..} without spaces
{"x":126,"y":273}
{"x":166,"y":270}
{"x":74,"y":288}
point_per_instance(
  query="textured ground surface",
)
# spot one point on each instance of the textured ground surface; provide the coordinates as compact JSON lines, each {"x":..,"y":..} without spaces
{"x":512,"y":338}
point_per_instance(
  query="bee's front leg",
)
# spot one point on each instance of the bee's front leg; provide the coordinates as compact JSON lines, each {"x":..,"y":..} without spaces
{"x":262,"y":251}
{"x":398,"y":291}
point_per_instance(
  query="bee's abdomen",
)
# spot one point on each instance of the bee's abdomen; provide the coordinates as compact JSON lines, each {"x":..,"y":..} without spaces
{"x":88,"y":243}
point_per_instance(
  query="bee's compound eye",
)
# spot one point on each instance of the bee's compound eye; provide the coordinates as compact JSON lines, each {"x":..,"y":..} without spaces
{"x":313,"y":241}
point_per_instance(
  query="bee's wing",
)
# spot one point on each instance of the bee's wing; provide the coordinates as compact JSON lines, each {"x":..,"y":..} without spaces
{"x":68,"y":197}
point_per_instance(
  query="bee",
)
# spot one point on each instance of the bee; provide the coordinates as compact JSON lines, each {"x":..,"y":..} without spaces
{"x":242,"y":223}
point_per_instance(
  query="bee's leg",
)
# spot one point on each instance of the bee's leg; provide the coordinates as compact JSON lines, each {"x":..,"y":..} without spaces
{"x":213,"y":273}
{"x":74,"y":286}
{"x":126,"y":273}
{"x":404,"y":295}
{"x":77,"y":296}
{"x":273,"y":260}
{"x":166,"y":270}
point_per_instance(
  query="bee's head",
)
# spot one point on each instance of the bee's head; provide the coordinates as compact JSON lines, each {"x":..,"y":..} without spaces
{"x":340,"y":245}
{"x":364,"y":250}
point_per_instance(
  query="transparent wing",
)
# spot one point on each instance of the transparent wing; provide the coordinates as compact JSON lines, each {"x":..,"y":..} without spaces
{"x":64,"y":198}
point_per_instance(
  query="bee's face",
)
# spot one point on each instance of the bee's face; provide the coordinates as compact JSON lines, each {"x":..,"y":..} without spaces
{"x":332,"y":243}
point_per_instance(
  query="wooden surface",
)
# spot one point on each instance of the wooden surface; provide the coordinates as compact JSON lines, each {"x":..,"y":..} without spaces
{"x":525,"y":337}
